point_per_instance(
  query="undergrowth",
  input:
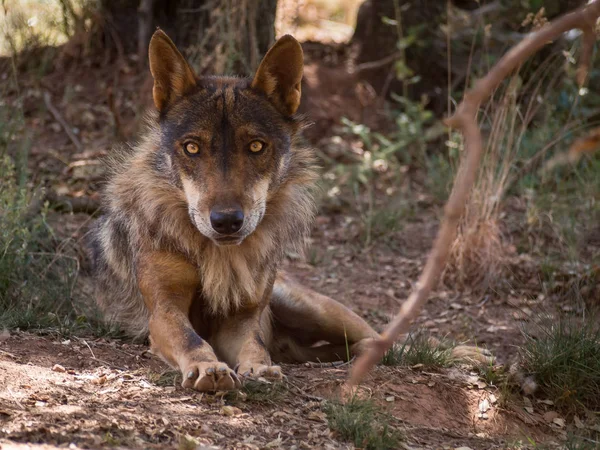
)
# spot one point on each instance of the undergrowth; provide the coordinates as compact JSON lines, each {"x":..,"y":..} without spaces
{"x":38,"y":272}
{"x":564,"y":358}
{"x":363,"y":423}
{"x":35,"y":281}
{"x":418,"y":349}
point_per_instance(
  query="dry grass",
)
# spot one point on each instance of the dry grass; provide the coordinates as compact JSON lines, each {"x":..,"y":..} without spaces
{"x":478,"y":254}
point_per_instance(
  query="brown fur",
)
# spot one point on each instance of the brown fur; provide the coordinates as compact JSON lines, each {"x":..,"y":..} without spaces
{"x":161,"y":267}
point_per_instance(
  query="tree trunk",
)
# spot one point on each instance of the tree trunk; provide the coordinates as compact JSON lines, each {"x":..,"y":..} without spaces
{"x":375,"y":40}
{"x":217,"y":36}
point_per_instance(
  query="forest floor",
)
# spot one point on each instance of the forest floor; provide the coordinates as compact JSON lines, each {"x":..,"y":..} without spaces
{"x":91,"y":392}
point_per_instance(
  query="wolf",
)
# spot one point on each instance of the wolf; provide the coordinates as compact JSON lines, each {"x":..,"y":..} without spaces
{"x":198,"y":217}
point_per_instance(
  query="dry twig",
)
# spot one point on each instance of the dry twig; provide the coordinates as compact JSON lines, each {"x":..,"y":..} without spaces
{"x":465,"y":119}
{"x":59,"y":118}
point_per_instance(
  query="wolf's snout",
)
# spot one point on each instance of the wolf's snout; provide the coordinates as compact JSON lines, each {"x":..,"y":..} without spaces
{"x":227,"y":221}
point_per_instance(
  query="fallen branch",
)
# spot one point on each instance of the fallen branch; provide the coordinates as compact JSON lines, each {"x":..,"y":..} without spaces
{"x":62,"y":203}
{"x":59,"y":118}
{"x":371,"y":65}
{"x":465,"y":119}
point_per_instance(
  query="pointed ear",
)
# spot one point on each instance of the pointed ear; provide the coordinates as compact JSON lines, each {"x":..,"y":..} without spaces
{"x":280,"y":73}
{"x":173,"y":77}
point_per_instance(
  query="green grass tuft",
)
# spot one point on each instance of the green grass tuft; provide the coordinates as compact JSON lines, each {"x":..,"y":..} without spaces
{"x":579,"y":442}
{"x":418,"y":349}
{"x":564,"y":358}
{"x":363,"y":423}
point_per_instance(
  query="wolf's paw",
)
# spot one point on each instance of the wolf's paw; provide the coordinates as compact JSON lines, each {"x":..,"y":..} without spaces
{"x":210,"y":376}
{"x":273,"y":373}
{"x":470,"y":354}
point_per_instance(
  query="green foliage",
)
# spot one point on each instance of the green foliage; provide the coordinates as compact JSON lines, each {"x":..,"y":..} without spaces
{"x":165,"y":378}
{"x":578,"y":442}
{"x":564,"y":358}
{"x":407,"y":143}
{"x":418,"y":349}
{"x":258,"y":392}
{"x":35,"y":282}
{"x":363,"y":423}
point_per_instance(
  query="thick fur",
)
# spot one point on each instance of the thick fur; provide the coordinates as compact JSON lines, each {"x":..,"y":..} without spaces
{"x":162,"y":270}
{"x":145,"y":208}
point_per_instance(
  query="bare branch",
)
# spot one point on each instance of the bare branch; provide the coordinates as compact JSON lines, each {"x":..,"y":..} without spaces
{"x":377,"y":64}
{"x":144,"y":29}
{"x":59,"y":118}
{"x":587,"y":48}
{"x":465,"y":119}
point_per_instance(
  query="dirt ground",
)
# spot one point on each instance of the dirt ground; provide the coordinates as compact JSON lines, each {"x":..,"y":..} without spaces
{"x":109,"y":393}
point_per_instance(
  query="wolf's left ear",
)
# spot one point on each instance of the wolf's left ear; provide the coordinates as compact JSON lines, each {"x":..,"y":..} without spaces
{"x":280,"y":73}
{"x":173,"y":77}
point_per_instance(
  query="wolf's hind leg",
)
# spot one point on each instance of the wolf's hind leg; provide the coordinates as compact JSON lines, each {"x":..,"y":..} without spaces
{"x":303,"y":318}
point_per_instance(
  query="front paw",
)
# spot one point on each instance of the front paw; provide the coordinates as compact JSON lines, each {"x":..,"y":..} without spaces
{"x":210,"y":377}
{"x":249,"y":370}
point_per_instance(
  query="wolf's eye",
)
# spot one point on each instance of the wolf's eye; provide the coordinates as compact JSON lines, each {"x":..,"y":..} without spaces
{"x":191,"y":148}
{"x":256,"y":146}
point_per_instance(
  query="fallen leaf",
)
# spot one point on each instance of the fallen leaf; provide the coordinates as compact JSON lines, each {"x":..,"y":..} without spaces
{"x":472,"y":379}
{"x":559,"y":421}
{"x":578,"y":423}
{"x":315,"y":415}
{"x":230,"y":410}
{"x":484,"y":405}
{"x":550,"y":416}
{"x":275,"y":443}
{"x":100,"y":380}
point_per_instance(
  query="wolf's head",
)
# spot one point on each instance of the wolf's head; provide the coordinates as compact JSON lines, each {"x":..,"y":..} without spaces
{"x":226,"y":142}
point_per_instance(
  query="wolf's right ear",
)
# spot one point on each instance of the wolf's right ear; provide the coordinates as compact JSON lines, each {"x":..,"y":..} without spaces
{"x":173,"y":76}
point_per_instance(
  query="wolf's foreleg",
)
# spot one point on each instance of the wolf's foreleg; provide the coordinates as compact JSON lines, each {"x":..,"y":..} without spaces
{"x":242,"y":339}
{"x":168,"y":283}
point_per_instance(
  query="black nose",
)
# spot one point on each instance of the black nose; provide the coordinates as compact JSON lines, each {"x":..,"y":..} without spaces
{"x":227,"y":221}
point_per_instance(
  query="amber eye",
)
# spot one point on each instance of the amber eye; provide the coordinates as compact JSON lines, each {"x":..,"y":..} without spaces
{"x":191,"y":148}
{"x":256,"y":146}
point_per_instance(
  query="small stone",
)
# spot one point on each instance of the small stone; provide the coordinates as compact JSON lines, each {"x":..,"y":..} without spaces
{"x":58,"y":368}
